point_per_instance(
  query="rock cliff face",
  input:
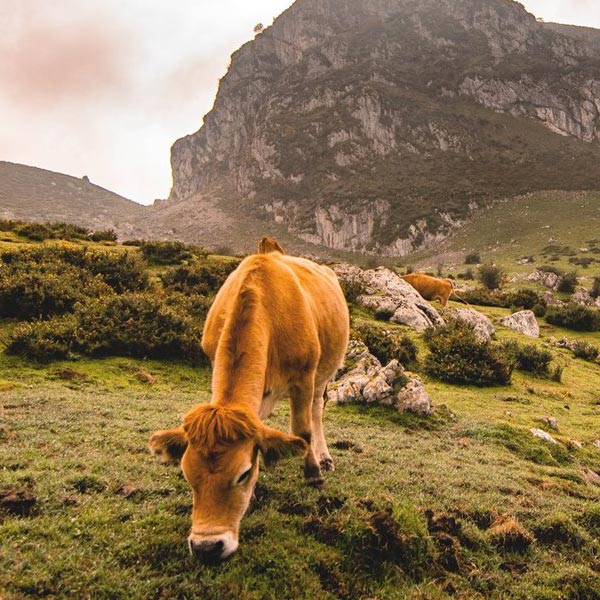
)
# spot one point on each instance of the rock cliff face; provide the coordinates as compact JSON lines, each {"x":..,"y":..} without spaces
{"x":377,"y":125}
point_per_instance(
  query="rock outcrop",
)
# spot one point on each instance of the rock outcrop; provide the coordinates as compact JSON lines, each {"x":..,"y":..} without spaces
{"x":386,"y":292}
{"x":524,"y":322}
{"x":365,"y":381}
{"x":377,"y":126}
{"x":546,"y":278}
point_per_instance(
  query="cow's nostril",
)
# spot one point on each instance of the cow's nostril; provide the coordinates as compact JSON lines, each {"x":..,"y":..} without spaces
{"x":207,"y":550}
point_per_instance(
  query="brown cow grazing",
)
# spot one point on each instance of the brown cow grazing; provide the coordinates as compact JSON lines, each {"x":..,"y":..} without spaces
{"x":431,"y":288}
{"x":278,"y":326}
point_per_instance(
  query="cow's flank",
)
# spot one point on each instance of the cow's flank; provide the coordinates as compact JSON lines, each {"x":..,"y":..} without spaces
{"x":278,"y":327}
{"x":431,"y":288}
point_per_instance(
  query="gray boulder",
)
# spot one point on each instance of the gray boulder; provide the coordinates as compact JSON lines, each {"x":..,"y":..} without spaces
{"x":365,"y":381}
{"x":546,"y":278}
{"x":524,"y":322}
{"x":544,"y":435}
{"x":483,"y":327}
{"x":387,"y":291}
{"x":414,"y":398}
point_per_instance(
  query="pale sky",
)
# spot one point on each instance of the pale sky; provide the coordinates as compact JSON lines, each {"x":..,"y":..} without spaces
{"x":104,"y":87}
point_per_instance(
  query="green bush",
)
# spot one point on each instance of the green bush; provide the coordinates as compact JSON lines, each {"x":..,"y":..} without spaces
{"x":169,"y":253}
{"x":202,"y":277}
{"x":386,"y":345}
{"x":47,"y":231}
{"x":123,"y":271}
{"x":473,"y":258}
{"x":585,"y":350}
{"x":43,"y":341}
{"x":595,"y":291}
{"x":105,"y":235}
{"x":491,"y":276}
{"x":482,"y":297}
{"x":457,"y":355}
{"x":352,"y":288}
{"x":137,"y":324}
{"x":567,"y":282}
{"x":43,"y":289}
{"x":573,"y":316}
{"x":539,"y":310}
{"x":523,"y":298}
{"x":530,"y":358}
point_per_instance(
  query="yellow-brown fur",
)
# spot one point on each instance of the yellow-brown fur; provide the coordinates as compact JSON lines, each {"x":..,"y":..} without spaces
{"x":279,"y":325}
{"x":431,"y":288}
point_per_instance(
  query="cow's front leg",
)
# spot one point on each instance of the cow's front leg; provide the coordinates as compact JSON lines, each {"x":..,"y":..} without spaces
{"x":301,"y":394}
{"x":319,"y":442}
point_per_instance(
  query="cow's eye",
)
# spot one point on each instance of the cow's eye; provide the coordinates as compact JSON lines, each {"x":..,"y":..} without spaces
{"x":244,"y":476}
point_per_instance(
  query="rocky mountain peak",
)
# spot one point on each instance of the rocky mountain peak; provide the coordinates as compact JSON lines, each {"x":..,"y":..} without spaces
{"x":377,"y":125}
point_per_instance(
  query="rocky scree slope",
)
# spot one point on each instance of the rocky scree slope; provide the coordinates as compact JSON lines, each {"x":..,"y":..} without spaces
{"x":377,"y":125}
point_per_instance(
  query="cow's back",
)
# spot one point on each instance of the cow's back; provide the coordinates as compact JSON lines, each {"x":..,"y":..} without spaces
{"x":303,"y":310}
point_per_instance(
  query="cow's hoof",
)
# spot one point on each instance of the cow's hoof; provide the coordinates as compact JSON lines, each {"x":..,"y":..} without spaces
{"x":327,"y":464}
{"x":316,"y":482}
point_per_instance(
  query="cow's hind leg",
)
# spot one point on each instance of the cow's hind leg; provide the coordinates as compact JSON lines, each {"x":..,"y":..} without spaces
{"x":301,"y":394}
{"x":319,"y":442}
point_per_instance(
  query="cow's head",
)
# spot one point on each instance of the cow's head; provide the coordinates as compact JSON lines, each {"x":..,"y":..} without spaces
{"x":218,"y":447}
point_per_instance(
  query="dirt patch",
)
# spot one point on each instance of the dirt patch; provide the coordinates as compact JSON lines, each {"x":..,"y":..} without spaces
{"x":326,"y":531}
{"x":128,"y":491}
{"x":347,"y":445}
{"x":331,"y":579}
{"x":507,"y":534}
{"x":446,"y":533}
{"x":69,"y":374}
{"x":88,"y":485}
{"x":144,"y":376}
{"x":18,"y":502}
{"x":329,"y":504}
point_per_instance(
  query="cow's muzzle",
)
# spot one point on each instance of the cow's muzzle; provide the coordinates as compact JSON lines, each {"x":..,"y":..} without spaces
{"x":212,"y":548}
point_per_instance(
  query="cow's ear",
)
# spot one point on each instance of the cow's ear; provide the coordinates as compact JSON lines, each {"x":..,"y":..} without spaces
{"x":169,"y":444}
{"x":274,"y":445}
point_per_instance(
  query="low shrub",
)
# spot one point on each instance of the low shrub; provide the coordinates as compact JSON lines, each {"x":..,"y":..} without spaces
{"x":574,"y":316}
{"x":201,"y":277}
{"x":539,"y":310}
{"x":386,"y":345}
{"x":105,"y":235}
{"x":529,"y":357}
{"x":473,"y":258}
{"x":169,"y":253}
{"x":457,"y":355}
{"x":481,"y":296}
{"x":523,"y":298}
{"x":43,"y":341}
{"x":567,"y":282}
{"x":595,"y":291}
{"x":491,"y":276}
{"x":47,"y":231}
{"x":40,"y":290}
{"x":137,"y":324}
{"x":123,"y":271}
{"x":585,"y":350}
{"x":352,"y":288}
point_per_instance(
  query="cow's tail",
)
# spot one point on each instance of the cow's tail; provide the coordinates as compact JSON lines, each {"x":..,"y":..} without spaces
{"x":458,"y":297}
{"x":268,"y":244}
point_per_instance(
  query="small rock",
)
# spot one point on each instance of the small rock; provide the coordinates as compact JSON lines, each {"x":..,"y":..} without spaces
{"x":378,"y":390}
{"x":544,"y":435}
{"x":597,"y":443}
{"x":552,"y":422}
{"x":524,"y":322}
{"x":577,"y":444}
{"x":414,"y":398}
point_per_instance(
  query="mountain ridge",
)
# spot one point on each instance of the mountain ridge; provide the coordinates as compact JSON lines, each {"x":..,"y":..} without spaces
{"x":376,"y":126}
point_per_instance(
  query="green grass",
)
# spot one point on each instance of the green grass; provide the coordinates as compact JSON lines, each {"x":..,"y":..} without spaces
{"x":111,"y":522}
{"x":525,"y":226}
{"x":413,"y":509}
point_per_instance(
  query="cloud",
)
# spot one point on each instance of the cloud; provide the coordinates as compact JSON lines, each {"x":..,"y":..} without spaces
{"x":48,"y":61}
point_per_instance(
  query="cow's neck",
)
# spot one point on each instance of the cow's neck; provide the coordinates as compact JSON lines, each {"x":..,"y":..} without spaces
{"x":240,"y":364}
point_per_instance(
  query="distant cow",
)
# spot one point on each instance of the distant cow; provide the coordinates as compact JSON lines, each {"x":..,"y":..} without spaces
{"x":431,"y":288}
{"x":278,"y":326}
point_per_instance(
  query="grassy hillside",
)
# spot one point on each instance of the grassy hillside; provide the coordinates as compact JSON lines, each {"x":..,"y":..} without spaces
{"x":34,"y":194}
{"x":464,"y":504}
{"x":552,"y":227}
